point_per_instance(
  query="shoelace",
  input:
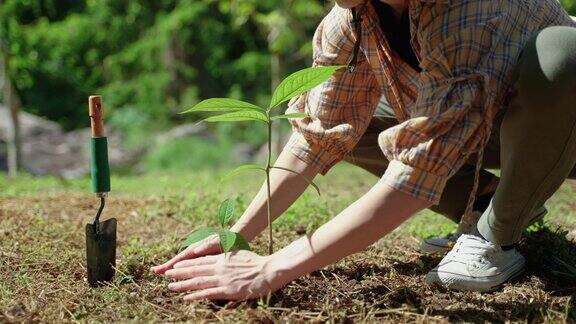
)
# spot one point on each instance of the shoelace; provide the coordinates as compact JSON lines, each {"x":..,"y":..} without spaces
{"x":471,"y":248}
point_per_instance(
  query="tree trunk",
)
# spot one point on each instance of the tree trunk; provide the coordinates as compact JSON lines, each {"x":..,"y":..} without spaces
{"x":12,"y":102}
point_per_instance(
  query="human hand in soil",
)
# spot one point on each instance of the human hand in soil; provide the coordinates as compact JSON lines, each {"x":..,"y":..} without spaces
{"x":207,"y":246}
{"x":236,"y":275}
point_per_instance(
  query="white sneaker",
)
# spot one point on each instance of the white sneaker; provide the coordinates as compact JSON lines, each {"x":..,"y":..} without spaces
{"x":441,"y":245}
{"x":444,"y":244}
{"x":475,"y":264}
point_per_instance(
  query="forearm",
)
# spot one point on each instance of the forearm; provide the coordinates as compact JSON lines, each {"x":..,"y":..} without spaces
{"x":372,"y":216}
{"x":285,"y":188}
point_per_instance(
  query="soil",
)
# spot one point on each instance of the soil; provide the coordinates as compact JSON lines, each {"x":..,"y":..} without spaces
{"x":42,"y":277}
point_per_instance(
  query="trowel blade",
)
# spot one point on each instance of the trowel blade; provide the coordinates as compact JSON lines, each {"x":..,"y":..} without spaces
{"x":101,"y":252}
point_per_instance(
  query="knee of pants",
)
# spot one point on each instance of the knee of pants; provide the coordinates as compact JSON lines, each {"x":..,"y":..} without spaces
{"x":549,"y":59}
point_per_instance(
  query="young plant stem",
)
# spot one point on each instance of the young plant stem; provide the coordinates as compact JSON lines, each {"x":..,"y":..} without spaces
{"x":268,"y":167}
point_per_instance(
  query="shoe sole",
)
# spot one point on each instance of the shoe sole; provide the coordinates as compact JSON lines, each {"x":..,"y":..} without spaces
{"x":476,"y":285}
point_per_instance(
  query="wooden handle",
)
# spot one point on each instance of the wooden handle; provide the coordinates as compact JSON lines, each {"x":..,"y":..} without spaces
{"x":96,"y":111}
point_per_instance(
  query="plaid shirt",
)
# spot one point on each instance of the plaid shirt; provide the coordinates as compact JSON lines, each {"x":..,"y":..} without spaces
{"x":467,"y":51}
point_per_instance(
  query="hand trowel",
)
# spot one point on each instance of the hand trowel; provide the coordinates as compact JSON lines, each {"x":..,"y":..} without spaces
{"x":100,"y":236}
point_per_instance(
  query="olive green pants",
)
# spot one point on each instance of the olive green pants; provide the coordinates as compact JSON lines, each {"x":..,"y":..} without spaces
{"x":533,"y":141}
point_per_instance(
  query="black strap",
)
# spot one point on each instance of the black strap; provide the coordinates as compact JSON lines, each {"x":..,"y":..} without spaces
{"x":357,"y":21}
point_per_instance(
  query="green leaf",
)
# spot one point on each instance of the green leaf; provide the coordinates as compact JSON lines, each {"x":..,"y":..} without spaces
{"x":227,"y":239}
{"x":300,"y":82}
{"x":310,"y":182}
{"x":198,"y":235}
{"x":239,"y":116}
{"x":226,"y":212}
{"x":240,"y":169}
{"x":222,"y":105}
{"x":292,"y":115}
{"x":241,"y":243}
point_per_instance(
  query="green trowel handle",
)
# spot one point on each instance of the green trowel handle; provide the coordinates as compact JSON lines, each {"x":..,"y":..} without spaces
{"x":99,"y":164}
{"x":98,"y":146}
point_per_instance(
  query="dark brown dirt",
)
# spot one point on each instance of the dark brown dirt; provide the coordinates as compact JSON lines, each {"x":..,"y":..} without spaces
{"x":43,"y":275}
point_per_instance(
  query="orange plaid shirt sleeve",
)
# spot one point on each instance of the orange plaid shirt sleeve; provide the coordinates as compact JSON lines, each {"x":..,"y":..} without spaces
{"x":340,"y":108}
{"x":467,"y":50}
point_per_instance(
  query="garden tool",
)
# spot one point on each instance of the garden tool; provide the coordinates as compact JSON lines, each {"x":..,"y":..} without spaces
{"x":100,"y":236}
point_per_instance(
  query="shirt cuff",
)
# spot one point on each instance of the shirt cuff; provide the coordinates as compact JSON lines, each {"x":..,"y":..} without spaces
{"x":416,"y":182}
{"x":310,"y":153}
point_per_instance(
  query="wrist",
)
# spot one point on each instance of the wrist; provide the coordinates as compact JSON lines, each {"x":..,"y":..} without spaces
{"x":280,"y":270}
{"x":243,"y":229}
{"x":292,"y":261}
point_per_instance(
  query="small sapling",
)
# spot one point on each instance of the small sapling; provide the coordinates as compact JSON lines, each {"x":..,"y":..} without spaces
{"x":232,"y":110}
{"x":228,"y":239}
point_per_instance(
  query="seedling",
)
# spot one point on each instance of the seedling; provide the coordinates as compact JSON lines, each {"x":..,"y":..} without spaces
{"x":228,"y":239}
{"x":233,"y":110}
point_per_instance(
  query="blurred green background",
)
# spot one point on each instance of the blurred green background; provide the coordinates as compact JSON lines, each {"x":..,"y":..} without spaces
{"x":151,"y":59}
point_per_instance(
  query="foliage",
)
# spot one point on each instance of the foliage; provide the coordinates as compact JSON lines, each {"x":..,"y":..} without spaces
{"x":152,"y":56}
{"x":570,"y":6}
{"x":235,"y":110}
{"x":183,"y":154}
{"x":228,"y":239}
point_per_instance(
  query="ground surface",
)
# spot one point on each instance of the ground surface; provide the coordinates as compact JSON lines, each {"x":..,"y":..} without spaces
{"x":42,"y":271}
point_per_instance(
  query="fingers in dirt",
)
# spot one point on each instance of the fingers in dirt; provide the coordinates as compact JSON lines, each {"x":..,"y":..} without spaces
{"x":194,"y":284}
{"x":216,"y":293}
{"x":205,"y":260}
{"x":161,"y":269}
{"x":189,"y":272}
{"x":211,"y":246}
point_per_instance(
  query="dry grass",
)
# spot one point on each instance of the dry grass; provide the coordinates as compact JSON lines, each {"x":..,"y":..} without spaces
{"x":42,"y":271}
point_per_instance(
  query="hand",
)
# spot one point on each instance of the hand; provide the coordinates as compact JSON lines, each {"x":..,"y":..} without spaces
{"x":236,"y":275}
{"x":207,"y":246}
